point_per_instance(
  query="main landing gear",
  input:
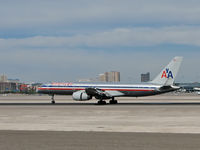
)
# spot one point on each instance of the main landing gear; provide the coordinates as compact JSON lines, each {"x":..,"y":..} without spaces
{"x":102,"y":102}
{"x":52,"y":99}
{"x":113,"y":101}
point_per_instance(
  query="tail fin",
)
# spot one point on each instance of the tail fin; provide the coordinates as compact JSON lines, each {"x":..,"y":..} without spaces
{"x":168,"y":74}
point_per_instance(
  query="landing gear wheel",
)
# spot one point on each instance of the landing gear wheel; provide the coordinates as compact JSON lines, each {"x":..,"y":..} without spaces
{"x":113,"y":101}
{"x":101,"y":102}
{"x":52,"y":100}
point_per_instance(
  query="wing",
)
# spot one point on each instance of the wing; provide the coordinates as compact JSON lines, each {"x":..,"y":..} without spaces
{"x":99,"y":93}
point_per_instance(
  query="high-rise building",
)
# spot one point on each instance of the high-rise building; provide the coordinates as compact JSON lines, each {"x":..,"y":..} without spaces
{"x":3,"y":78}
{"x":8,"y":85}
{"x":145,"y":77}
{"x":102,"y":77}
{"x":112,"y":76}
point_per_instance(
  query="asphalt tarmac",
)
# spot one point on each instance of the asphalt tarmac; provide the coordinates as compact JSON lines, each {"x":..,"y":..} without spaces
{"x":158,"y":122}
{"x":51,"y":140}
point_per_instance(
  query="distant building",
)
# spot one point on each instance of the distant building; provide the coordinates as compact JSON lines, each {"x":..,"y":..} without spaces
{"x":102,"y":77}
{"x":145,"y":77}
{"x":3,"y":78}
{"x":29,"y":88}
{"x":8,"y":85}
{"x":188,"y":87}
{"x":85,"y":80}
{"x":13,"y":80}
{"x":112,"y":76}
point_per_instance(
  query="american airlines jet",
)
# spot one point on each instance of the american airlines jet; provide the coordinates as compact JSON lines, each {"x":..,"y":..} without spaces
{"x":163,"y":83}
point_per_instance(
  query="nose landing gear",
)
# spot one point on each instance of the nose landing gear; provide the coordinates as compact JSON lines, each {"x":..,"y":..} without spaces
{"x":52,"y":99}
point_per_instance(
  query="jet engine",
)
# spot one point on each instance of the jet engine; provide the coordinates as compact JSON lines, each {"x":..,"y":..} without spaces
{"x":81,"y":96}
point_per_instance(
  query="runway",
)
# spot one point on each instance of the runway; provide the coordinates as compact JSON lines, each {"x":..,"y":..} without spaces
{"x":157,"y":122}
{"x":51,"y":140}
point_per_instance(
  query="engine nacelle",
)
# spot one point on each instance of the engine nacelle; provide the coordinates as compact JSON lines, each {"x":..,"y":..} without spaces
{"x":81,"y":96}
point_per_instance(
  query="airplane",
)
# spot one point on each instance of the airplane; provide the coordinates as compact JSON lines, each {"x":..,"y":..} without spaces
{"x":197,"y":89}
{"x":163,"y":83}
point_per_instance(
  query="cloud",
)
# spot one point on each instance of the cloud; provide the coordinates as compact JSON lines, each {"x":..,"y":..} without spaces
{"x":69,"y":58}
{"x":121,"y":37}
{"x":67,"y":64}
{"x":52,"y":40}
{"x":49,"y":13}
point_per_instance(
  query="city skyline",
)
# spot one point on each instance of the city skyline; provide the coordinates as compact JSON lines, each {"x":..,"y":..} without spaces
{"x":46,"y":41}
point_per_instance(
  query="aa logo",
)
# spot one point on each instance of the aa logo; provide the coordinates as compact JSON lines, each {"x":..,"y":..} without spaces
{"x":167,"y":74}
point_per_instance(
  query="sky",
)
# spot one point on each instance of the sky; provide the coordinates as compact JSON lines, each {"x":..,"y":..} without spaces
{"x":65,"y":40}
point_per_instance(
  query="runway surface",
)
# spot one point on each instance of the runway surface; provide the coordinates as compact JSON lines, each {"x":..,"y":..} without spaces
{"x":51,"y":140}
{"x":157,"y":122}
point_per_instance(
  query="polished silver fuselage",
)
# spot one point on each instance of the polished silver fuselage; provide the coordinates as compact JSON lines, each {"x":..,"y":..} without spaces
{"x":123,"y":89}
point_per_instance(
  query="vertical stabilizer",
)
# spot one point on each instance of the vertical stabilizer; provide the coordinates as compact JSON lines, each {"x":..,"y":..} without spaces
{"x":168,"y":74}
